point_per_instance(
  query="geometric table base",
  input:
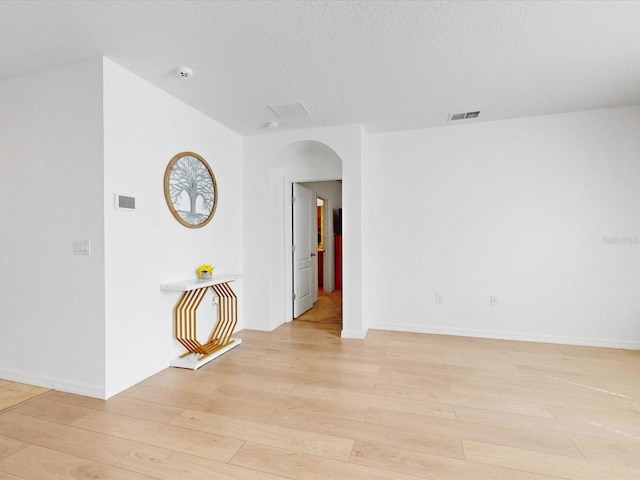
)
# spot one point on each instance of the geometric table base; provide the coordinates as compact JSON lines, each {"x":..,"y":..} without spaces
{"x":194,"y":361}
{"x":220,"y":340}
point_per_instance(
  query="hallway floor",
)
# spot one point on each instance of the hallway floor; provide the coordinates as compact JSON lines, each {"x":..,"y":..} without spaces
{"x":328,"y":309}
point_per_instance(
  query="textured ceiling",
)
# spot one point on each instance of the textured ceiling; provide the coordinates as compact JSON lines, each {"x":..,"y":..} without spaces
{"x":388,"y":65}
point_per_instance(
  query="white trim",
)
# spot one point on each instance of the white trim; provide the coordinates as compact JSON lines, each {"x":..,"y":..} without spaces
{"x":260,"y":327}
{"x":288,"y":255}
{"x":522,"y":337}
{"x":134,"y":377}
{"x":357,"y":335}
{"x":60,"y":384}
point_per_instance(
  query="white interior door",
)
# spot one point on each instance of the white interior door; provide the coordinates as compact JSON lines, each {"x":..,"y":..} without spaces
{"x":304,"y":249}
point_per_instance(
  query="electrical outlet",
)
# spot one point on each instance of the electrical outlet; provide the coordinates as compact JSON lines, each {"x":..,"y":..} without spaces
{"x":493,"y":301}
{"x":438,"y":298}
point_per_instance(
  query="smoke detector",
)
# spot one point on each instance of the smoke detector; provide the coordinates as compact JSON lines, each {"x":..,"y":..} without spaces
{"x":273,"y":124}
{"x":184,"y":72}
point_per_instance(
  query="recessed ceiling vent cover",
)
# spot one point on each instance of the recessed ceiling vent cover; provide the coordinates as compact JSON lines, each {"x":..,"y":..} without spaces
{"x":289,"y":110}
{"x":462,"y":116}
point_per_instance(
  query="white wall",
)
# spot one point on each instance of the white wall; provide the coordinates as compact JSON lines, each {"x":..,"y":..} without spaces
{"x":67,"y":146}
{"x":331,"y":192}
{"x":265,"y":275}
{"x":541,"y":212}
{"x":52,"y":302}
{"x":328,"y":190}
{"x":144,"y":128}
{"x":517,"y":209}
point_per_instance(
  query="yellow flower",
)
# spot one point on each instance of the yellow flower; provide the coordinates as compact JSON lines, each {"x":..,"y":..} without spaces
{"x":204,"y":268}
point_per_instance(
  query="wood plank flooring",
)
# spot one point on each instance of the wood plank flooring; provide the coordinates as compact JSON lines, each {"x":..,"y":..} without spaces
{"x":302,"y":403}
{"x":12,"y":393}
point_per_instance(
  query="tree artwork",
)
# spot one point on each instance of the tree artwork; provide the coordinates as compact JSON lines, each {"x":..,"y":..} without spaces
{"x":190,"y":189}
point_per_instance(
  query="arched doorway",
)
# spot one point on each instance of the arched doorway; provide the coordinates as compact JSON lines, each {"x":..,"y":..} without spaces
{"x":304,"y":161}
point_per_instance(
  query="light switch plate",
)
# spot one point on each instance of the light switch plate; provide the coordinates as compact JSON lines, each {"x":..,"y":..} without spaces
{"x":82,"y":247}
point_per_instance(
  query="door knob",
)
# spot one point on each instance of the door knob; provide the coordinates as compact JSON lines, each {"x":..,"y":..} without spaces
{"x":313,"y":254}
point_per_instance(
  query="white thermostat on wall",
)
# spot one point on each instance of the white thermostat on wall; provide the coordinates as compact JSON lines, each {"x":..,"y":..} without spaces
{"x":124,"y":202}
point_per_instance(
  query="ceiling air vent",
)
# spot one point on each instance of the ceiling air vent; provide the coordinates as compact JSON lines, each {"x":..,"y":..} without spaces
{"x":289,"y":110}
{"x":462,"y":116}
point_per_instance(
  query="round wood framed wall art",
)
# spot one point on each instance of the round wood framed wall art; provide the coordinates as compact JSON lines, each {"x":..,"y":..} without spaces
{"x":190,"y":190}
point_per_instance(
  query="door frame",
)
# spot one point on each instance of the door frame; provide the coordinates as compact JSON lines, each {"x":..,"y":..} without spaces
{"x":288,"y":240}
{"x":326,"y":207}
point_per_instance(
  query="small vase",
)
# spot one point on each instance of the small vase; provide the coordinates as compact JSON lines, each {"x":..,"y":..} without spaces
{"x":205,"y":276}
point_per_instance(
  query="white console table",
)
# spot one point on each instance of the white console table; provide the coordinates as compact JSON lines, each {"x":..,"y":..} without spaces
{"x":220,"y":341}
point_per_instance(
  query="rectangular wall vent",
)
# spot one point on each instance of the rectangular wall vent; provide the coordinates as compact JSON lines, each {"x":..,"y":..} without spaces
{"x":463,"y":116}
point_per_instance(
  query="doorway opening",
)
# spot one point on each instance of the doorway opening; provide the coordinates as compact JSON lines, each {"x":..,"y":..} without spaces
{"x":317,"y":208}
{"x":321,"y":231}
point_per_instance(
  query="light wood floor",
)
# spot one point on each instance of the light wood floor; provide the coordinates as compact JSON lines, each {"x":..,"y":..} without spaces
{"x":328,"y":308}
{"x":301,"y":403}
{"x":12,"y":394}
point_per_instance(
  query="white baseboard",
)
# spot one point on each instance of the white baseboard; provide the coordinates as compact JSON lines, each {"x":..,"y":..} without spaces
{"x":61,"y":384}
{"x":134,"y":377}
{"x":523,"y":337}
{"x":87,"y":390}
{"x":260,"y":327}
{"x":358,"y":335}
